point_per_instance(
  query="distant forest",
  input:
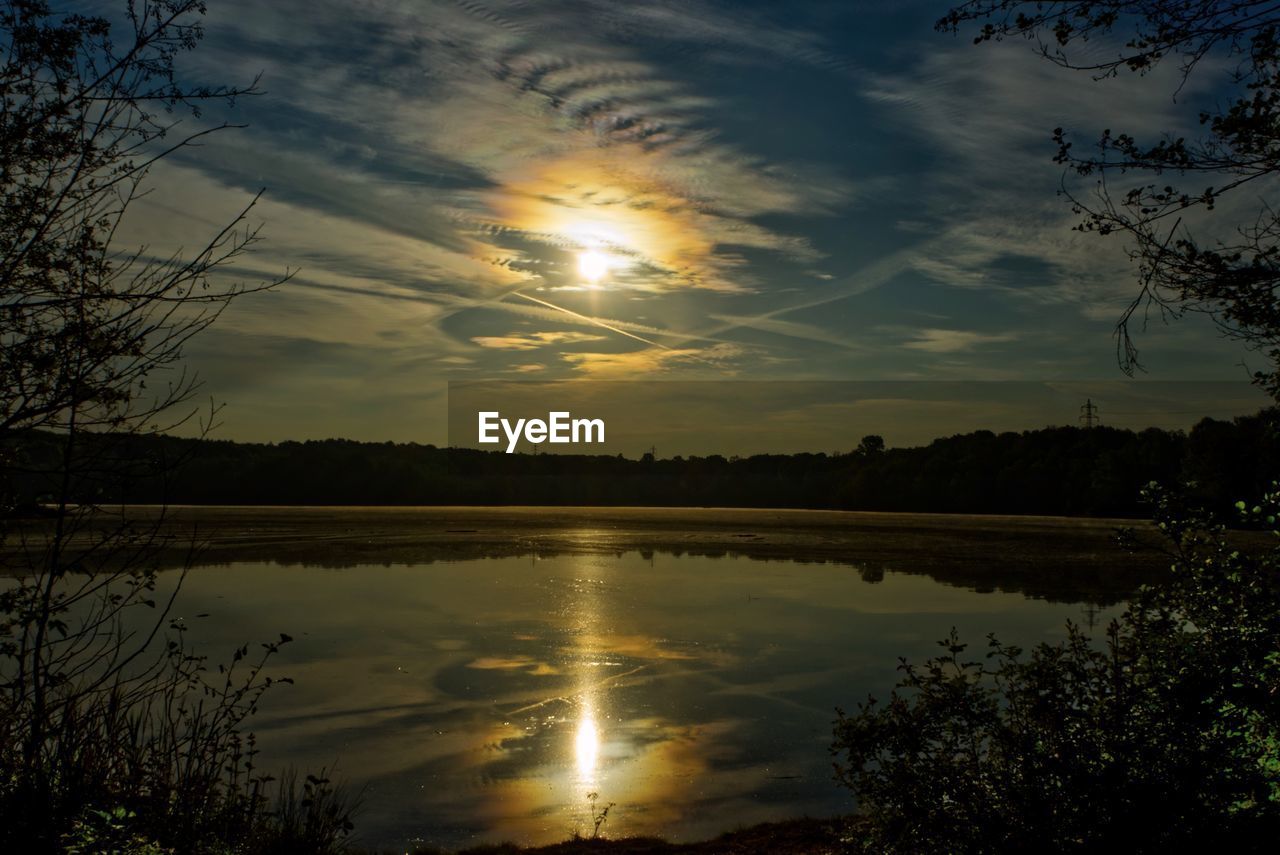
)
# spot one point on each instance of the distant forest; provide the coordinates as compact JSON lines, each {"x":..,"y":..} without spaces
{"x":1058,"y":470}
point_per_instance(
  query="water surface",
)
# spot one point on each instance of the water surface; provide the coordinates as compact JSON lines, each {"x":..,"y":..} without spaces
{"x":486,"y":700}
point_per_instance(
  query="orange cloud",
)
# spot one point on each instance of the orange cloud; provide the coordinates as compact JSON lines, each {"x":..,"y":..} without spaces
{"x":642,"y":363}
{"x":533,"y":341}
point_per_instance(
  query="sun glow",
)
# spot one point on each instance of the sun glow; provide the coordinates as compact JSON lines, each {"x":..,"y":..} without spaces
{"x":586,"y":744}
{"x":593,"y":265}
{"x":623,"y":224}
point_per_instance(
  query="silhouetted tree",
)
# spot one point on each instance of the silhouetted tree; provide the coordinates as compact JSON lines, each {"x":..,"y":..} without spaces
{"x":871,"y":444}
{"x":1058,"y":470}
{"x":1187,"y":260}
{"x":112,"y":737}
{"x":85,"y":116}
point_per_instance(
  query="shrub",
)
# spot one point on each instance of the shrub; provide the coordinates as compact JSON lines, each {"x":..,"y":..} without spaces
{"x":1166,"y":736}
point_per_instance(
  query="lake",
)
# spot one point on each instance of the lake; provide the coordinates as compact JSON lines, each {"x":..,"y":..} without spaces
{"x":481,"y":699}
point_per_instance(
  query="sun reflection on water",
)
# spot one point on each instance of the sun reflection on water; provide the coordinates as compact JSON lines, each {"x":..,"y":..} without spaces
{"x":588,"y":605}
{"x":586,"y":745}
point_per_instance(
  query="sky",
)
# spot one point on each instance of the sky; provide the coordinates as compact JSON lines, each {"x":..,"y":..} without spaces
{"x":693,"y":190}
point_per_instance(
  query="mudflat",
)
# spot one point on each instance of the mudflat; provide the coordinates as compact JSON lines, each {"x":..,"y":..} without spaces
{"x":791,"y":534}
{"x":1049,"y":557}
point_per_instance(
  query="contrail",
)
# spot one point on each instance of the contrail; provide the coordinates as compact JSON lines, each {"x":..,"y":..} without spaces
{"x":859,"y":282}
{"x":589,"y":320}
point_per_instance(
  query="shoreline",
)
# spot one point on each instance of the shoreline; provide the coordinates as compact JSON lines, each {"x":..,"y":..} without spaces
{"x":799,"y":836}
{"x":1055,"y":558}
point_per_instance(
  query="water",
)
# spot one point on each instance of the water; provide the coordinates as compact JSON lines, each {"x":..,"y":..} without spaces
{"x":485,"y":700}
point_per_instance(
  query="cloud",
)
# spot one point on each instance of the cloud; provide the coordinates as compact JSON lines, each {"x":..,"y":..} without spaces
{"x":955,"y":341}
{"x":717,"y":359}
{"x":423,"y":163}
{"x":984,"y":115}
{"x":790,"y":329}
{"x":533,"y":341}
{"x":508,"y":136}
{"x":433,"y":169}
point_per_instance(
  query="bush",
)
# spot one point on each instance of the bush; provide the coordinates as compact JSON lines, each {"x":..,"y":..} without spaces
{"x":1164,"y":737}
{"x":152,"y":761}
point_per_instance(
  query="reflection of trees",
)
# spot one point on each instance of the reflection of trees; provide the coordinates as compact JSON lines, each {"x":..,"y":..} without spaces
{"x":871,"y":575}
{"x":1093,"y":572}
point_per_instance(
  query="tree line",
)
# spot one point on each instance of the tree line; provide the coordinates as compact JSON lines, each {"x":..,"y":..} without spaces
{"x":1074,"y":471}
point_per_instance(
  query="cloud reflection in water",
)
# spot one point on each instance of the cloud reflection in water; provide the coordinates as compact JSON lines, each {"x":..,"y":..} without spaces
{"x":484,"y":700}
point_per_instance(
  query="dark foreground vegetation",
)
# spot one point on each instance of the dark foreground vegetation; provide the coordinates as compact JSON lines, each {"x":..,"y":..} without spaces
{"x":115,"y":736}
{"x":794,"y":837}
{"x":1162,"y":736}
{"x":1055,"y":471}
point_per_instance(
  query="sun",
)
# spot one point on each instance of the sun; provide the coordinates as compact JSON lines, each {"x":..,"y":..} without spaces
{"x":593,"y":265}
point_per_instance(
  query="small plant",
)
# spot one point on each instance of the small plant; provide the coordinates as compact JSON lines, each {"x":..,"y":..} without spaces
{"x":107,"y":832}
{"x":599,"y":815}
{"x":316,"y":819}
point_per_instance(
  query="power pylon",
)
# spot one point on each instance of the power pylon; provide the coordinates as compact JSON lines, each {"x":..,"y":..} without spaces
{"x":1089,"y":413}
